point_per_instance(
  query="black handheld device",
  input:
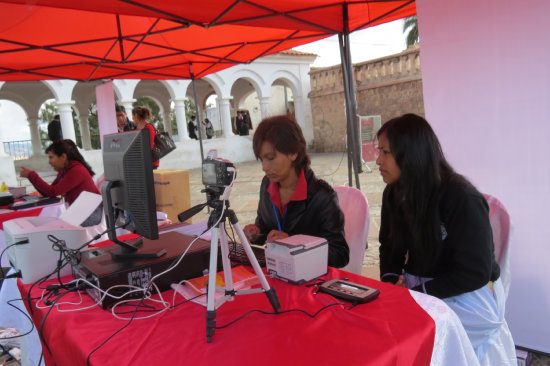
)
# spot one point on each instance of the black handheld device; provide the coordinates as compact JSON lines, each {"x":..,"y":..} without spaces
{"x":349,"y":291}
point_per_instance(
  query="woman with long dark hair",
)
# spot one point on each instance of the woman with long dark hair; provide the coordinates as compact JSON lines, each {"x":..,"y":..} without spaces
{"x":141,"y":115}
{"x":435,"y":234}
{"x":74,"y":174}
{"x":292,"y":199}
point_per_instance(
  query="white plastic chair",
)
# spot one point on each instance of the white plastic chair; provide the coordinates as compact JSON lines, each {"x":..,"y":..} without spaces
{"x":355,"y":206}
{"x":503,"y":350}
{"x":500,"y":225}
{"x":99,"y":181}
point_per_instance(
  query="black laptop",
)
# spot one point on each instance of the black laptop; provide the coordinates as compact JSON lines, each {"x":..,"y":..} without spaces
{"x":33,"y":201}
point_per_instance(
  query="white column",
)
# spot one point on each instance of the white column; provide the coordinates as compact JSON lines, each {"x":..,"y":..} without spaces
{"x":85,"y":132}
{"x":300,"y":114}
{"x":167,"y":123}
{"x":264,"y":107}
{"x":2,"y":151}
{"x":225,"y":117}
{"x":128,"y":105}
{"x":7,"y":167}
{"x":35,"y":136}
{"x":181,"y":121}
{"x":66,"y":115}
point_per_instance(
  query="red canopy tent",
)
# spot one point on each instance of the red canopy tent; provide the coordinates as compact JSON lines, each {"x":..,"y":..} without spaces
{"x":38,"y":43}
{"x":316,"y":15}
{"x":165,"y":39}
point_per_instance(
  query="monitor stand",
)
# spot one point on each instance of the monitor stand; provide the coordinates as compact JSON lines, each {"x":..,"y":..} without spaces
{"x":129,"y":252}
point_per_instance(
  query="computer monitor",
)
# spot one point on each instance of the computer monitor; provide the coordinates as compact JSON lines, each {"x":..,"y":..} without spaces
{"x":128,"y":191}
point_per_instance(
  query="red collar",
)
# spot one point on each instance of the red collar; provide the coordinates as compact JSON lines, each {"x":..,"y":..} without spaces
{"x":300,"y":192}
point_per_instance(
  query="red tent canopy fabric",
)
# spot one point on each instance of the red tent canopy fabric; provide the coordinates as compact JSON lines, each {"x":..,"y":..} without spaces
{"x":316,"y":15}
{"x":167,"y":39}
{"x":38,"y":43}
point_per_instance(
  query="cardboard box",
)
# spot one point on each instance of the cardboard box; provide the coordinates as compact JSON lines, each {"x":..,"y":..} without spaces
{"x":172,"y":192}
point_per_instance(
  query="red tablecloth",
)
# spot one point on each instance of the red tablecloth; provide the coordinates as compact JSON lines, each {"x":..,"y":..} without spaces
{"x":391,"y":330}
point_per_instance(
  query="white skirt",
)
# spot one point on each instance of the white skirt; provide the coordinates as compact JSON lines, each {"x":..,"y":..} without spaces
{"x":481,"y":313}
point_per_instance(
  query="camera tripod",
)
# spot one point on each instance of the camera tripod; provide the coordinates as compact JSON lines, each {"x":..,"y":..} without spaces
{"x":218,"y":217}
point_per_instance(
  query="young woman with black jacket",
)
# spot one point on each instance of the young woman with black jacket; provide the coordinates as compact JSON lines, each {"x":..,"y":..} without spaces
{"x":292,"y":200}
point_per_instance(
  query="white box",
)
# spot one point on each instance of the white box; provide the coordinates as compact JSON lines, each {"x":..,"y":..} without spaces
{"x":297,"y":259}
{"x":36,"y":258}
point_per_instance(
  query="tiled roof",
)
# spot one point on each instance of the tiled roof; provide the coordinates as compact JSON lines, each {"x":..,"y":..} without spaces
{"x":296,"y":53}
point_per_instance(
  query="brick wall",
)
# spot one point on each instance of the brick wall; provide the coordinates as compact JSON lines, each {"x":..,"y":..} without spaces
{"x":388,"y":86}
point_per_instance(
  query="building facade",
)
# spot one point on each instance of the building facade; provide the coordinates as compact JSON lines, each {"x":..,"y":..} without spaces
{"x":387,"y":87}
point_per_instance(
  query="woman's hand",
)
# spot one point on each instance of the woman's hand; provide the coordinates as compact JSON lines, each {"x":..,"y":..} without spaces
{"x":25,"y":172}
{"x":275,"y":235}
{"x":252,"y":232}
{"x":401,"y":281}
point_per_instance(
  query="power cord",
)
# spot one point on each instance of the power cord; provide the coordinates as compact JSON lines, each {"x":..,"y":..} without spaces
{"x":280,"y":313}
{"x":25,"y":241}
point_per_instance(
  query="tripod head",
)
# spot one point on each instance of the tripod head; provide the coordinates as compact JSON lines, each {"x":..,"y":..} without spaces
{"x":218,"y":176}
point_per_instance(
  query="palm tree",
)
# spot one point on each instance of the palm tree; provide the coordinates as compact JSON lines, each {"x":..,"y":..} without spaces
{"x":410,"y":25}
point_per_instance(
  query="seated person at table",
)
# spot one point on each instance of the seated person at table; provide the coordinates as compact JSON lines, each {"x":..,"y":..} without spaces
{"x":74,"y":175}
{"x":435,"y":234}
{"x":292,"y":200}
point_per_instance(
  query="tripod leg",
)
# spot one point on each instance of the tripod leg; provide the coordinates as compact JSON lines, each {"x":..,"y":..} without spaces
{"x":228,"y":276}
{"x":270,"y":292}
{"x":211,"y":295}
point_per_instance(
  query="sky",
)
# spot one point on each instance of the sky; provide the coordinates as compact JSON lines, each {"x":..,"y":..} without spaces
{"x":367,"y":44}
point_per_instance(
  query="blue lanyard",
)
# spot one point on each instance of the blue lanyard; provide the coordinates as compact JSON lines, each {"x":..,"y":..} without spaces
{"x":277,"y":217}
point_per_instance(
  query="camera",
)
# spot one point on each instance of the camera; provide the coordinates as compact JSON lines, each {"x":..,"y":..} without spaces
{"x":217,"y":172}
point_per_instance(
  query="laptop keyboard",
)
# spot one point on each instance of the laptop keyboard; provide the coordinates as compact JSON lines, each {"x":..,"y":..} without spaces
{"x":237,"y":254}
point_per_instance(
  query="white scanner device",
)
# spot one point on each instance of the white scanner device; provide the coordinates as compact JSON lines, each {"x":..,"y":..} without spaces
{"x":34,"y":256}
{"x":297,"y":259}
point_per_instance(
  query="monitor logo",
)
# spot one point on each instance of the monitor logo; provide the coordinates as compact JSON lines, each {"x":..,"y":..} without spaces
{"x":115,"y":144}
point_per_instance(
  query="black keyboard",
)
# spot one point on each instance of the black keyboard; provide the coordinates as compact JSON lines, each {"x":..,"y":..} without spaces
{"x":33,"y":201}
{"x":237,"y":254}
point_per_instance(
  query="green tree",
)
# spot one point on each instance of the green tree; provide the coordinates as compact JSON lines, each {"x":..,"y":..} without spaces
{"x":189,"y":109}
{"x":94,"y":126}
{"x":47,"y":113}
{"x":410,"y":26}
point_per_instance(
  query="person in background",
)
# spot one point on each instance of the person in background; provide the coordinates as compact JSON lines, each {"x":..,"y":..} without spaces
{"x":141,"y":115}
{"x":74,"y":174}
{"x":54,"y":129}
{"x":192,"y":128}
{"x":209,"y":129}
{"x":292,"y":200}
{"x":435,"y":234}
{"x":241,"y":124}
{"x":122,"y":121}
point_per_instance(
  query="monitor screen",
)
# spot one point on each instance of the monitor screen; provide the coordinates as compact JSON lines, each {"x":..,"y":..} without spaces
{"x":129,"y":186}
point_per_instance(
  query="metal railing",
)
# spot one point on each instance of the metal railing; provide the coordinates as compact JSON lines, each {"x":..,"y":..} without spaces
{"x":22,"y":149}
{"x":18,"y":149}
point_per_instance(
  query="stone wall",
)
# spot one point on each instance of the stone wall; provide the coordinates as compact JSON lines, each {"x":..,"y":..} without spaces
{"x":388,"y":86}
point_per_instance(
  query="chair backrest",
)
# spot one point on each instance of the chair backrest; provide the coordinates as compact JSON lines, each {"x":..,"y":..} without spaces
{"x":500,"y":225}
{"x":356,"y":212}
{"x":99,"y":181}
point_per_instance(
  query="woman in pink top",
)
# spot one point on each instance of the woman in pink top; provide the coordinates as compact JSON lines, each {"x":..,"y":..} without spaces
{"x":74,"y":175}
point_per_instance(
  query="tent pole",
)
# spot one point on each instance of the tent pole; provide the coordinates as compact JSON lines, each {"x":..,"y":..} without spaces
{"x":348,"y":124}
{"x":197,"y":111}
{"x":353,"y":106}
{"x":347,"y":76}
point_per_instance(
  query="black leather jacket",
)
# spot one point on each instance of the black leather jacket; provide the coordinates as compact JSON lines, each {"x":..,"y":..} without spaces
{"x":319,"y":215}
